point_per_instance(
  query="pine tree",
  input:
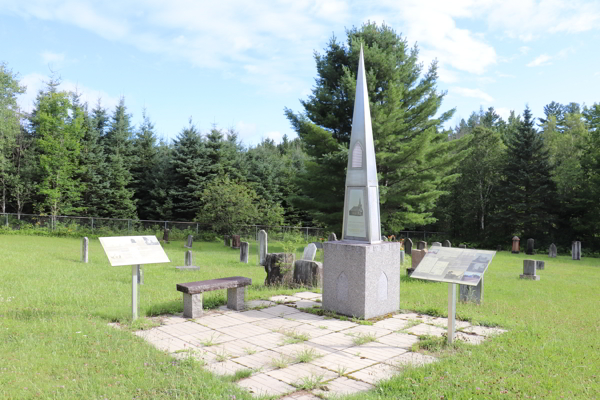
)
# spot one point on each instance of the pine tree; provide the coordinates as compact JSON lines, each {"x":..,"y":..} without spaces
{"x":414,"y":157}
{"x":527,"y":188}
{"x":161,"y":198}
{"x":146,"y":152}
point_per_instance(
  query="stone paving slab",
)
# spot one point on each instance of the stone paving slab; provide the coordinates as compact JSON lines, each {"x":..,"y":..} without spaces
{"x":375,"y":373}
{"x":342,"y":362}
{"x":484,"y":331}
{"x":444,"y":322}
{"x":284,"y":299}
{"x":367,"y":330}
{"x":311,"y":330}
{"x":243,"y":331}
{"x":305,"y":317}
{"x":235,"y":348}
{"x":261,"y":361}
{"x":308,"y":295}
{"x":265,"y":385}
{"x":467,"y":338}
{"x":225,"y":367}
{"x":425,"y":329}
{"x":293,"y":350}
{"x":343,"y":386}
{"x":376,"y":351}
{"x":393,"y":324}
{"x":218,"y":321}
{"x":334,"y":324}
{"x":410,"y":358}
{"x":267,"y":341}
{"x":259,"y":303}
{"x":208,"y":338}
{"x":294,"y":374}
{"x":280,"y":310}
{"x":302,"y":395}
{"x":336,"y":340}
{"x":182,"y":329}
{"x":277,"y":324}
{"x":252,"y":316}
{"x":306,"y":304}
{"x":402,"y":340}
{"x":171,"y":345}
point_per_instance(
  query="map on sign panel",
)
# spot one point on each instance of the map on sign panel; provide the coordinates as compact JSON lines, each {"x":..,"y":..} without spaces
{"x":133,"y":250}
{"x":454,"y":265}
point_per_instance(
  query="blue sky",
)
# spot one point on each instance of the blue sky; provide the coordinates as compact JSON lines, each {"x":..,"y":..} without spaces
{"x":237,"y":63}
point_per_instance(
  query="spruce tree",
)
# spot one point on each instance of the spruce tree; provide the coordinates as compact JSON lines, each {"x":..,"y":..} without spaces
{"x":146,"y":153}
{"x":527,"y":188}
{"x":161,"y":198}
{"x":414,"y":157}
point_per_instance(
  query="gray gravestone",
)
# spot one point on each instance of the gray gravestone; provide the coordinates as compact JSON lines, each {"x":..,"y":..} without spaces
{"x":309,"y":252}
{"x":166,"y":235}
{"x":84,"y":249}
{"x":244,"y":250}
{"x":422,"y":245}
{"x":361,"y":277}
{"x":308,"y":273}
{"x":540,"y":265}
{"x":402,"y":256}
{"x":278,"y":267}
{"x":529,"y":270}
{"x":436,"y":244}
{"x":446,"y":243}
{"x":462,"y":246}
{"x":530,"y":250}
{"x":189,"y":261}
{"x":471,"y":294}
{"x":408,"y":245}
{"x":262,"y":247}
{"x":190,"y":241}
{"x":576,"y":250}
{"x":319,"y":245}
{"x":552,"y":251}
{"x":332,"y":237}
{"x":384,"y":238}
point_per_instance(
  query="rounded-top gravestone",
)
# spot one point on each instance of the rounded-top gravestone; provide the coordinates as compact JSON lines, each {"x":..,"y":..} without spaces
{"x":515,"y":245}
{"x":530,"y":243}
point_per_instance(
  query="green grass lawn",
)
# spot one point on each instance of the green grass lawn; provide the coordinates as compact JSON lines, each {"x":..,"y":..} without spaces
{"x":55,"y":342}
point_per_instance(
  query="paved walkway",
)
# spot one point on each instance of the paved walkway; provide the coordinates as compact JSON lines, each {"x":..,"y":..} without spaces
{"x":299,"y":355}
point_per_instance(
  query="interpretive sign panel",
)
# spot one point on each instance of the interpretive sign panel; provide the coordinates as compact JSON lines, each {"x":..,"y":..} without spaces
{"x":133,"y":250}
{"x":454,"y":265}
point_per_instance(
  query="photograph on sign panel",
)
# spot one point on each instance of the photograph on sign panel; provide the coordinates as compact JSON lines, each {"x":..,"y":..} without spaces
{"x":477,"y":267}
{"x":471,"y":277}
{"x":483,"y":258}
{"x":151,"y":241}
{"x":434,"y":250}
{"x":454,"y":275}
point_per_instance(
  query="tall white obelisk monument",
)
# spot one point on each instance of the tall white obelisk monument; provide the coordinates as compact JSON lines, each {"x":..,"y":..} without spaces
{"x":361,"y":273}
{"x":361,"y":204}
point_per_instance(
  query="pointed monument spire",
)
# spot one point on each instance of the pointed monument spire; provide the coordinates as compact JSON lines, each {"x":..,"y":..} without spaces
{"x":361,"y":204}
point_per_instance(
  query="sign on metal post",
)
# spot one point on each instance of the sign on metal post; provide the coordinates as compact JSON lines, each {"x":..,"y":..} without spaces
{"x":455,"y":266}
{"x":134,"y":251}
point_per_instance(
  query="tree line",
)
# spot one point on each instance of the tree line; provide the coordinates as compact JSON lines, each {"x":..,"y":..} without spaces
{"x":481,"y":182}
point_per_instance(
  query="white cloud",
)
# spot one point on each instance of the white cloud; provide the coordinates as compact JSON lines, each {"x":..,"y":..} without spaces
{"x":474,"y":93}
{"x":36,"y":82}
{"x":524,"y":49}
{"x":276,"y":136}
{"x":49,"y":57}
{"x":541,"y":60}
{"x":503,"y":112}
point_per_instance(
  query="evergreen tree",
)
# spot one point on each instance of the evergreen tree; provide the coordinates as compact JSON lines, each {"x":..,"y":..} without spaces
{"x":161,"y":199}
{"x":587,"y":226}
{"x":143,"y":179}
{"x":528,"y":189}
{"x":414,"y":157}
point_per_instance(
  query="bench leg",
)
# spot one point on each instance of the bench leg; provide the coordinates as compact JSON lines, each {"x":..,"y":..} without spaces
{"x":235,"y":298}
{"x":192,"y":305}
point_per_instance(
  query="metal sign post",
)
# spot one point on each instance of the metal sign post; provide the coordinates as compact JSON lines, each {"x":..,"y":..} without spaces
{"x":451,"y":311}
{"x":134,"y":291}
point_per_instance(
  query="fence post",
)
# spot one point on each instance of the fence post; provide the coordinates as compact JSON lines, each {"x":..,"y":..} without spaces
{"x":196,"y":228}
{"x":6,"y":220}
{"x":129,"y":227}
{"x":92,"y":226}
{"x":306,"y":235}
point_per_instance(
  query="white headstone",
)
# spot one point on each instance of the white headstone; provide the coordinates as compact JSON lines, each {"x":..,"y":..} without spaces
{"x":309,"y":252}
{"x":262,"y":247}
{"x":84,"y":249}
{"x":361,"y":204}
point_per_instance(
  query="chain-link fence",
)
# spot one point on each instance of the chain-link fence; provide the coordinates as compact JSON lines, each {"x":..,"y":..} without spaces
{"x":92,"y":226}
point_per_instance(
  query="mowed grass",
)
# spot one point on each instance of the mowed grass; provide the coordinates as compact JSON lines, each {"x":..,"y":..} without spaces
{"x":55,"y":342}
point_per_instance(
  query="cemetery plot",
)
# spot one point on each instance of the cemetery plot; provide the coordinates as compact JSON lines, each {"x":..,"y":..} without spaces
{"x":454,"y":265}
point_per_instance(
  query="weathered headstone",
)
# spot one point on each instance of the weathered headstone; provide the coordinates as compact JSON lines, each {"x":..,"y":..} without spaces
{"x":408,"y":245}
{"x":384,"y":238}
{"x":262,"y":247}
{"x":530,"y":250}
{"x":319,"y":245}
{"x":190,"y":241}
{"x":84,"y":249}
{"x":188,"y":261}
{"x":576,"y":250}
{"x":529,"y":270}
{"x":436,"y":244}
{"x":278,"y":267}
{"x":402,"y":256}
{"x":361,"y":277}
{"x":166,"y":235}
{"x":309,"y":252}
{"x":422,"y":245}
{"x":540,"y":264}
{"x":235,"y":242}
{"x":308,"y":273}
{"x":332,"y":237}
{"x":244,"y":250}
{"x":471,"y":294}
{"x":446,"y":243}
{"x":417,"y":257}
{"x":515,"y":245}
{"x":552,"y":251}
{"x":462,"y":246}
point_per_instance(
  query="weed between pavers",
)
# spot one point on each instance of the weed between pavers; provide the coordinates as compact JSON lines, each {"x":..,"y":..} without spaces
{"x":310,"y":382}
{"x":249,"y":351}
{"x":209,"y":342}
{"x":307,"y":355}
{"x":363,"y":338}
{"x":281,"y":362}
{"x":292,"y":337}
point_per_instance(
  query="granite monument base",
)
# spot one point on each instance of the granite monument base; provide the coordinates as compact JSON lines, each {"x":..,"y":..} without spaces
{"x":361,"y":279}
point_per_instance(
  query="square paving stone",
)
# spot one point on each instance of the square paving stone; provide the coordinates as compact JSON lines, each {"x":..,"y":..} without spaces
{"x":376,"y":351}
{"x":259,"y":303}
{"x":311,"y":330}
{"x":224,"y":368}
{"x":308,"y":295}
{"x":202,"y":355}
{"x":409,"y":316}
{"x":393,"y":324}
{"x":208,"y":338}
{"x":243,"y":331}
{"x":305,"y":317}
{"x":375,"y":373}
{"x":444,"y":323}
{"x":367,"y":330}
{"x":467,"y":338}
{"x":425,"y":329}
{"x":294,"y":374}
{"x":484,"y":330}
{"x":218,"y":321}
{"x":302,"y":395}
{"x":251,"y":316}
{"x":343,"y":362}
{"x":296,"y":349}
{"x":307,"y":304}
{"x":171,"y":345}
{"x":268,"y":340}
{"x":261,"y":361}
{"x":402,"y":340}
{"x":235,"y":348}
{"x":280,"y":310}
{"x":343,"y":386}
{"x":334,"y":324}
{"x":153,"y":334}
{"x":173,"y":319}
{"x":185,"y":328}
{"x":336,"y":340}
{"x":277,"y":324}
{"x":410,"y":358}
{"x":284,"y":299}
{"x":265,"y":385}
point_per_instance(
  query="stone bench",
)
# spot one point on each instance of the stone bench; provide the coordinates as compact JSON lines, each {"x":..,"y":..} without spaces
{"x":192,"y":293}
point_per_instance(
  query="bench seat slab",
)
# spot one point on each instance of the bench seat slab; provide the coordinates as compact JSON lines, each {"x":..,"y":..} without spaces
{"x":213,"y":284}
